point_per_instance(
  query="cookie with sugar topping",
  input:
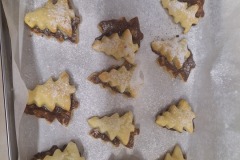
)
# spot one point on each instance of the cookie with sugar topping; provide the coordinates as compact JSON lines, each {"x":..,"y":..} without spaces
{"x":200,"y":3}
{"x":126,"y":79}
{"x":185,"y":12}
{"x":174,"y":56}
{"x":109,"y":27}
{"x":120,"y":39}
{"x":69,"y":151}
{"x":55,"y":19}
{"x":178,"y":117}
{"x":115,"y":129}
{"x":118,"y":47}
{"x":176,"y":154}
{"x":53,"y":100}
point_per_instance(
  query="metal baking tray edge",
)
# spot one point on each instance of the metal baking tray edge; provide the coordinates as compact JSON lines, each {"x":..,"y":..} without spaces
{"x":7,"y":80}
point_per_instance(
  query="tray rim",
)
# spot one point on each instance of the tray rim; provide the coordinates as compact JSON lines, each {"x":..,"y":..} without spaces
{"x":7,"y":83}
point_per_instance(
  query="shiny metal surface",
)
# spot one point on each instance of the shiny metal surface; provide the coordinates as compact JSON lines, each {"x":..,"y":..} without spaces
{"x":8,"y":146}
{"x":3,"y":132}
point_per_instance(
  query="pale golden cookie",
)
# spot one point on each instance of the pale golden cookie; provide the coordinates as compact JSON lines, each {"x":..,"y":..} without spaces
{"x":117,"y":78}
{"x":181,"y":13}
{"x":176,"y":155}
{"x":118,"y":47}
{"x":175,"y":56}
{"x":57,"y":20}
{"x":53,"y":100}
{"x":176,"y":51}
{"x":70,"y":152}
{"x":177,"y":117}
{"x":52,"y":94}
{"x":52,"y":16}
{"x":116,"y":128}
{"x":126,"y":79}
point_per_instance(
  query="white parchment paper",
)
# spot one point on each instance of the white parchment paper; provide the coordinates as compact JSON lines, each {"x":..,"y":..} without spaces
{"x":212,"y":89}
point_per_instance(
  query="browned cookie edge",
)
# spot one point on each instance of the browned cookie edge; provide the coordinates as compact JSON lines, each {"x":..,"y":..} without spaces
{"x":58,"y":113}
{"x":110,"y":27}
{"x":50,"y":152}
{"x":184,"y":72}
{"x":116,"y":142}
{"x":94,"y":78}
{"x":59,"y":35}
{"x":200,"y":3}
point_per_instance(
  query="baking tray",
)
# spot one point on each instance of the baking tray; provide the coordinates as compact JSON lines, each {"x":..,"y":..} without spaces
{"x":10,"y":146}
{"x":212,"y":88}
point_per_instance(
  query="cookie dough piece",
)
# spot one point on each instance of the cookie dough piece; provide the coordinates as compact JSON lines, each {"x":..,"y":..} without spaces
{"x":110,"y":27}
{"x":200,"y":3}
{"x":53,"y":99}
{"x":125,"y":79}
{"x":183,"y":13}
{"x":118,"y":47}
{"x":68,"y":152}
{"x":115,"y":129}
{"x":178,"y":117}
{"x":174,"y":56}
{"x":54,"y":19}
{"x":176,"y":154}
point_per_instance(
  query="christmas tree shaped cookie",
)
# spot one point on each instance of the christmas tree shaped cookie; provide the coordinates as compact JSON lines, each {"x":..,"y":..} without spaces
{"x":120,"y":39}
{"x":185,"y":12}
{"x":69,"y":152}
{"x":174,"y":56}
{"x":118,"y":47}
{"x":200,"y":3}
{"x":177,"y":117}
{"x":125,"y":79}
{"x":109,"y":27}
{"x":57,"y":20}
{"x":53,"y":99}
{"x":176,"y":155}
{"x":115,"y":129}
